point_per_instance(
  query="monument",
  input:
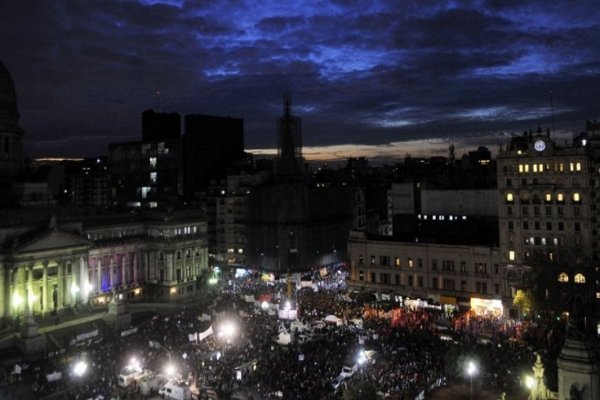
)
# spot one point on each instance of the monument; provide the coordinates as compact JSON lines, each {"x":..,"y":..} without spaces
{"x":30,"y":341}
{"x":578,"y":362}
{"x":117,"y":316}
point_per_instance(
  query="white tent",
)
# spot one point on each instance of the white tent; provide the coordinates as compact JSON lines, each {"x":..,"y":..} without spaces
{"x":333,"y":319}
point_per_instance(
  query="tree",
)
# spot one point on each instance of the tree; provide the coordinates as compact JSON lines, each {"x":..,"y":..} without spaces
{"x":524,"y":301}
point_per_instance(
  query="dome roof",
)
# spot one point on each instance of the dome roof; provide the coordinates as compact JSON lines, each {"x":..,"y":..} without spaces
{"x":8,"y":94}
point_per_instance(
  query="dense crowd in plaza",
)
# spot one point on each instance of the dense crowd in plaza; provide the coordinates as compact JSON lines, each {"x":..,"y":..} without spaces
{"x":410,"y":355}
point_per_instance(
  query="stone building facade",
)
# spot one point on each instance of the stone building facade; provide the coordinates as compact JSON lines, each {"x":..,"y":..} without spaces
{"x":152,"y":257}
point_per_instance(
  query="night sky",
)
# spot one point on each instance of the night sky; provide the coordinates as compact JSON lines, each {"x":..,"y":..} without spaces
{"x":374,"y":78}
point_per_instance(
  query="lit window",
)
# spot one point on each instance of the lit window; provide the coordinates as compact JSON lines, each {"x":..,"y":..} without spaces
{"x":561,"y":167}
{"x":152,"y":162}
{"x":560,"y":197}
{"x":511,"y":255}
{"x":541,"y":167}
{"x":535,"y":168}
{"x":410,"y":262}
{"x":526,"y":167}
{"x":230,"y":250}
{"x":152,"y":177}
{"x":510,"y":197}
{"x":145,"y":190}
{"x":548,"y":197}
{"x":240,"y":251}
{"x":578,"y":166}
{"x":563,"y":277}
{"x":576,"y":197}
{"x":579,"y":278}
{"x":521,"y":168}
{"x":571,"y":167}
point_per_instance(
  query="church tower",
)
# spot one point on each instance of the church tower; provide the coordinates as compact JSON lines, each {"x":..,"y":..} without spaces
{"x":289,"y":162}
{"x":11,"y":134}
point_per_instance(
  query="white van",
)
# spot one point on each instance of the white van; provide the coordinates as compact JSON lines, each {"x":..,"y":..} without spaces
{"x":176,"y":391}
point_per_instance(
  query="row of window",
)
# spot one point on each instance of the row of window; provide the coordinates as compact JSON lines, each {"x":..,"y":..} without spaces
{"x":564,"y":278}
{"x":446,"y":265}
{"x":547,"y":167}
{"x":548,"y":198}
{"x":436,"y":283}
{"x":549,"y":226}
{"x":560,"y":211}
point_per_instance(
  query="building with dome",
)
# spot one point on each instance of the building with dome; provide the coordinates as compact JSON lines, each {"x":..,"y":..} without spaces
{"x":11,"y":134}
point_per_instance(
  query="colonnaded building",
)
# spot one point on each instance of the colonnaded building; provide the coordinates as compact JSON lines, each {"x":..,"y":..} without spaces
{"x":55,"y":259}
{"x":49,"y":267}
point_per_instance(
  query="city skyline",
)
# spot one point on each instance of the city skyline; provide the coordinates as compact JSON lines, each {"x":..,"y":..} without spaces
{"x":380,"y":80}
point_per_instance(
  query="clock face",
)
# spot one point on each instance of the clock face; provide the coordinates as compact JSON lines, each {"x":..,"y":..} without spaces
{"x":539,"y":145}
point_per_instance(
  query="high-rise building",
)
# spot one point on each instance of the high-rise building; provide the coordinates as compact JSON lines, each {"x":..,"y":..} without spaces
{"x":211,"y":145}
{"x":145,"y":174}
{"x":160,"y":127}
{"x":548,"y":214}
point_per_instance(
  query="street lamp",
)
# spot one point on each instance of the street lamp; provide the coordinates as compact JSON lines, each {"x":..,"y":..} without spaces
{"x":228,"y":330}
{"x":170,"y":370}
{"x":361,"y":361}
{"x":264,"y":306}
{"x":158,"y":346}
{"x":79,"y":368}
{"x":471,"y":370}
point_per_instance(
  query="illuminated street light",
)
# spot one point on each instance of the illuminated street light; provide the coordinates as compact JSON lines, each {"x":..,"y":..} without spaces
{"x":471,"y":370}
{"x":79,"y":368}
{"x":264,"y":305}
{"x":170,"y":370}
{"x":134,"y":365}
{"x":288,"y":306}
{"x":213,"y":280}
{"x":228,"y":329}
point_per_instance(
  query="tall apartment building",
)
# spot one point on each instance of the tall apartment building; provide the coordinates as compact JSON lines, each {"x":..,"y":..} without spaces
{"x":228,"y":214}
{"x":548,"y":212}
{"x":145,"y":174}
{"x":89,"y":182}
{"x":160,"y":127}
{"x":211,"y":146}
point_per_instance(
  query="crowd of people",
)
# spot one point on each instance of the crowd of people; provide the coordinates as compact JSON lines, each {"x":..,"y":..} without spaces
{"x":410,"y":356}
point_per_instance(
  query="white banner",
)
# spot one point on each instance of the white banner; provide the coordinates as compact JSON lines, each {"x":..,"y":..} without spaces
{"x":128,"y":332}
{"x":87,"y":335}
{"x":55,"y":376}
{"x":193,"y":337}
{"x":205,"y":334}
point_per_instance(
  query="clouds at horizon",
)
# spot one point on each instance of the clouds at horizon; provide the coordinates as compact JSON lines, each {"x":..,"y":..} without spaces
{"x":363,"y":74}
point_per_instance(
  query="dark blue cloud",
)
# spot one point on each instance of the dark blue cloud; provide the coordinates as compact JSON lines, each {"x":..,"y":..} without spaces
{"x":360,"y":72}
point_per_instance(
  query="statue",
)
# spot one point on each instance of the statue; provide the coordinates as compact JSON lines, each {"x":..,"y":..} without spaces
{"x":114,"y":294}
